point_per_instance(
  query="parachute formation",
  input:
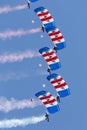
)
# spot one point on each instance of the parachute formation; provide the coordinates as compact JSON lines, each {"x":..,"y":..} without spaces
{"x":53,"y":63}
{"x":52,"y":60}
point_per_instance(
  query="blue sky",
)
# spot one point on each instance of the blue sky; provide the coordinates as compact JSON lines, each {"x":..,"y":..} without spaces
{"x":22,"y":79}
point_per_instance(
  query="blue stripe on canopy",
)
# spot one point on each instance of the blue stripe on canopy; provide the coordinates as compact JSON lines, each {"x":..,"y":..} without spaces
{"x":33,"y":0}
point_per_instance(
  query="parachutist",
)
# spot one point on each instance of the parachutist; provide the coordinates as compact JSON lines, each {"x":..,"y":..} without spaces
{"x":48,"y":70}
{"x":28,"y":4}
{"x":55,"y":49}
{"x":58,"y":98}
{"x":47,"y":116}
{"x":49,"y":101}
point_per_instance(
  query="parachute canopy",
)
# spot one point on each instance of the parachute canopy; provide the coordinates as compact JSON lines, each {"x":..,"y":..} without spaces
{"x":59,"y":84}
{"x":56,"y":37}
{"x":50,"y":57}
{"x":45,"y":17}
{"x":49,"y":101}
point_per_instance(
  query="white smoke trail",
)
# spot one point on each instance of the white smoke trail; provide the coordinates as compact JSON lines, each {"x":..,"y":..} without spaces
{"x":4,"y":77}
{"x":13,"y":104}
{"x":18,"y":33}
{"x":9,"y":123}
{"x":7,"y":9}
{"x":14,"y":57}
{"x":13,"y":76}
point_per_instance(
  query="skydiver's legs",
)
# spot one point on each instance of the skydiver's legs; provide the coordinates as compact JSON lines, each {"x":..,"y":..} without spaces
{"x":58,"y":98}
{"x":42,"y":28}
{"x":55,"y":49}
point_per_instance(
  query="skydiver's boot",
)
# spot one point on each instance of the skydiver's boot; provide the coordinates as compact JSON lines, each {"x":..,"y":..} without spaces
{"x":47,"y":117}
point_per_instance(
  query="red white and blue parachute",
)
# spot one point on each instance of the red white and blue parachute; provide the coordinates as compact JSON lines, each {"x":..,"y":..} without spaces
{"x":49,"y":101}
{"x":56,"y":37}
{"x":45,"y":17}
{"x":59,"y":84}
{"x":50,"y":57}
{"x":52,"y":60}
